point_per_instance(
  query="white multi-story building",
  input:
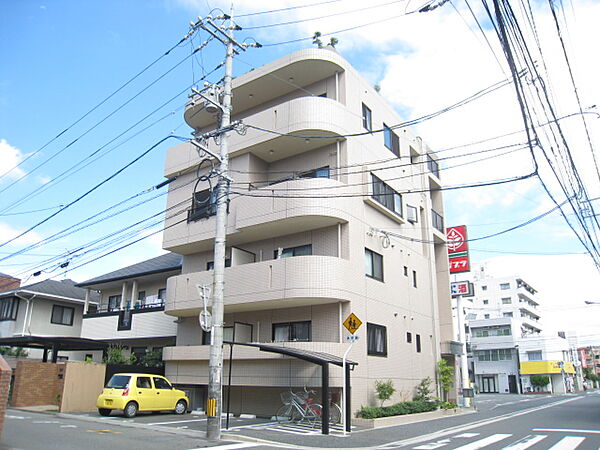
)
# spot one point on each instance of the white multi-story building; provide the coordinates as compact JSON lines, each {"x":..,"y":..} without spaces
{"x":321,"y":178}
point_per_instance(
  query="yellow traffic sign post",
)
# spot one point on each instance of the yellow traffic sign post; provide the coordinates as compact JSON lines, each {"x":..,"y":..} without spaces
{"x":352,"y":324}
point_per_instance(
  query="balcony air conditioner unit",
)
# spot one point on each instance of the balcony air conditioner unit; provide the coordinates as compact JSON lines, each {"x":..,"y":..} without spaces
{"x":411,"y":215}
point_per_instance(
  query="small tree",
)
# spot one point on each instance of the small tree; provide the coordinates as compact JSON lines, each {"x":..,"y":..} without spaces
{"x":423,"y":390}
{"x":19,"y":352}
{"x":385,"y":390}
{"x":152,"y":359}
{"x":539,"y":381}
{"x":445,"y":377}
{"x":319,"y":43}
{"x":114,"y":355}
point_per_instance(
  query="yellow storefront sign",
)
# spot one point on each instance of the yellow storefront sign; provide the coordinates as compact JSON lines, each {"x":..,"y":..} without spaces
{"x":539,"y":367}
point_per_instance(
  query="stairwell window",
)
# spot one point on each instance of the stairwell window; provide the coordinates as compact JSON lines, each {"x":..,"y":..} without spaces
{"x":418,"y":342}
{"x":376,"y":340}
{"x":9,"y":308}
{"x":291,"y":331}
{"x":391,"y":140}
{"x":204,"y":204}
{"x":62,"y":315}
{"x":366,"y":118}
{"x":385,"y":195}
{"x":373,"y":265}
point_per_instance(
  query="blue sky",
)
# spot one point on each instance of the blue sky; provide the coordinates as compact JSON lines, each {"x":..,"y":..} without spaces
{"x":62,"y":58}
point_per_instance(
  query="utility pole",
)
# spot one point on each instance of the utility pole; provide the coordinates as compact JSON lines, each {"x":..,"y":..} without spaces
{"x":219,"y":98}
{"x":464,"y":365}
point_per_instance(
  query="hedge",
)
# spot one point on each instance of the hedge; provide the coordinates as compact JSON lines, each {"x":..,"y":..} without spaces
{"x":399,"y":409}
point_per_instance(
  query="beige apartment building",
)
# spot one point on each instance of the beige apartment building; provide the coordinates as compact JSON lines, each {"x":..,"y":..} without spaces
{"x":332,"y":211}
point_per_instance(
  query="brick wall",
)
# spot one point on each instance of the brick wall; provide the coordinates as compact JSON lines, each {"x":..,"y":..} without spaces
{"x":5,"y":374}
{"x":38,"y":383}
{"x":9,"y":283}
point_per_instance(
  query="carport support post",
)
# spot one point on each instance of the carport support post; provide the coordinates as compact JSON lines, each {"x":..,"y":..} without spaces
{"x":54,"y":353}
{"x":348,"y":408}
{"x":45,"y":357}
{"x":325,"y":399}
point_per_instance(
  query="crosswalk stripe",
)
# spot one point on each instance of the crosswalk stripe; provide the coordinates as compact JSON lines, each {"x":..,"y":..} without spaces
{"x":526,"y":442}
{"x":568,"y":443}
{"x":481,"y":443}
{"x":433,"y":445}
{"x":466,"y":435}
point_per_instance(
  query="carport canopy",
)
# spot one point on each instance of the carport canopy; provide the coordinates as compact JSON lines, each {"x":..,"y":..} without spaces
{"x":320,"y":358}
{"x":55,"y":343}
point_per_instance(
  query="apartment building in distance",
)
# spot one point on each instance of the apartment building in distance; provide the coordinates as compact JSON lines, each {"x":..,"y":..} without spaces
{"x":131,"y":307}
{"x":590,"y":358}
{"x":331,"y":211}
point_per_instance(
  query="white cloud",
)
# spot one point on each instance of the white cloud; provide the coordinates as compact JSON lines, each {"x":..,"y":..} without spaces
{"x":7,"y":232}
{"x":11,"y":156}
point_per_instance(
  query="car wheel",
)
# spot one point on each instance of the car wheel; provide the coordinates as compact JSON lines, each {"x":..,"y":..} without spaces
{"x":181,"y":407}
{"x":130,"y":410}
{"x":104,"y":412}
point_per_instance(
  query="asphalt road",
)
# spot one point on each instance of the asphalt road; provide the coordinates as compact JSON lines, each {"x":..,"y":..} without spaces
{"x":502,"y":421}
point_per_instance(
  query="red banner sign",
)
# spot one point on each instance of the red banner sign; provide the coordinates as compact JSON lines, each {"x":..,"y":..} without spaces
{"x":458,"y":255}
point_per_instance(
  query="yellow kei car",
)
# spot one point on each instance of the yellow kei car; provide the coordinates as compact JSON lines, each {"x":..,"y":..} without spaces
{"x":133,"y":392}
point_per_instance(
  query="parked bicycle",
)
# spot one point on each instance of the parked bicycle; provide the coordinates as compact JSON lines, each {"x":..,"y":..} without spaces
{"x":300,"y":407}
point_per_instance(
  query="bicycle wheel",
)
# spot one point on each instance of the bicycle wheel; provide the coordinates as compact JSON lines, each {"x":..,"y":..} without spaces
{"x":335,"y":414}
{"x":284,"y":413}
{"x":313,"y":414}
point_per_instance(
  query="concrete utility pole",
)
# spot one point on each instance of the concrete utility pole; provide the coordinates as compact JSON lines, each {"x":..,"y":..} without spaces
{"x":219,"y":99}
{"x":464,"y":365}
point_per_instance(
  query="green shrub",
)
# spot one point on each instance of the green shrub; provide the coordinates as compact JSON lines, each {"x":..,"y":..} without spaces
{"x":539,"y":381}
{"x":424,"y":390}
{"x":398,"y":409}
{"x":448,"y":405}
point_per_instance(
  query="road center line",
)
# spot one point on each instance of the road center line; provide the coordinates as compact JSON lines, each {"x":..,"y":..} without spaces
{"x":567,"y":430}
{"x":481,"y":423}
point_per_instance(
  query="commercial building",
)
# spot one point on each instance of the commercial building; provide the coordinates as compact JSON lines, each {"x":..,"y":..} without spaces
{"x":332,"y":210}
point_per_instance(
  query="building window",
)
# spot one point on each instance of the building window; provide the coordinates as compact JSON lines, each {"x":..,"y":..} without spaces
{"x":9,"y":308}
{"x":376,"y":340}
{"x":418,"y":338}
{"x":506,"y":301}
{"x":162,"y":293}
{"x":291,"y":331}
{"x":114,"y":302}
{"x":485,"y":302}
{"x":412,"y":214}
{"x":390,"y":140}
{"x":534,"y":356}
{"x":373,"y":265}
{"x":62,"y":315}
{"x":504,"y":286}
{"x":486,"y":316}
{"x":408,"y":337}
{"x":405,"y":271}
{"x":366,"y":118}
{"x":210,"y":265}
{"x":507,"y":314}
{"x":386,"y":196}
{"x":433,"y":166}
{"x":204,"y":204}
{"x":322,"y":172}
{"x":471,"y":316}
{"x":484,"y":288}
{"x":501,"y":354}
{"x":301,"y":250}
{"x":491,"y":331}
{"x":141,"y":296}
{"x":414,"y":278}
{"x":139,"y":352}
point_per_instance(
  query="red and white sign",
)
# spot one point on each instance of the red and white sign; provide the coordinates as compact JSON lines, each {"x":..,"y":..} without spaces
{"x":462,"y":288}
{"x":583,"y":359}
{"x":458,"y":255}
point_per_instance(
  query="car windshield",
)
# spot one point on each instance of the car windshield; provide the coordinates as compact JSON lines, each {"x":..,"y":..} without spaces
{"x":118,"y":382}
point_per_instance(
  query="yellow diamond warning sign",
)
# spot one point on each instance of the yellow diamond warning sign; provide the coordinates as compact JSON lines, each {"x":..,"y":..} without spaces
{"x":352,"y":323}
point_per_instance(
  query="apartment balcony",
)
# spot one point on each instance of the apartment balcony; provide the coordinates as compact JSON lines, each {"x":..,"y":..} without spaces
{"x":304,"y":116}
{"x":270,"y":82}
{"x":264,"y":215}
{"x":148,"y":322}
{"x":278,"y":283}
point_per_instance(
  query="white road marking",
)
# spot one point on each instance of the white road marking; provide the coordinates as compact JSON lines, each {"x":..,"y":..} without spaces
{"x":45,"y":421}
{"x":290,"y":431}
{"x":480,"y":423}
{"x":466,"y":435}
{"x":433,"y":445}
{"x":482,"y":443}
{"x":232,"y":446}
{"x":8,"y":416}
{"x":568,"y":443}
{"x":526,"y":442}
{"x":567,"y":430}
{"x":177,"y":421}
{"x":254,"y":425}
{"x":68,"y":426}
